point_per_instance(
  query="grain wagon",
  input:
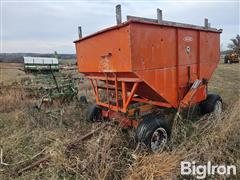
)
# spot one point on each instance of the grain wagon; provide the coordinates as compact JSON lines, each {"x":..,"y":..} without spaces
{"x":144,"y":64}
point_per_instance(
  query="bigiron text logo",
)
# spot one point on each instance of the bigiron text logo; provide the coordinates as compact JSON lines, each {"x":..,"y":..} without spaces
{"x":202,"y":171}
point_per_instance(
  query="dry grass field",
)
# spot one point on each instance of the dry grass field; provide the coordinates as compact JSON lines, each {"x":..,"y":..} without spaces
{"x":35,"y":144}
{"x":10,"y":73}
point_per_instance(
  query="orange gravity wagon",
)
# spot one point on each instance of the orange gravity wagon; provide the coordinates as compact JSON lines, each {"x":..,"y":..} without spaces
{"x":143,"y":65}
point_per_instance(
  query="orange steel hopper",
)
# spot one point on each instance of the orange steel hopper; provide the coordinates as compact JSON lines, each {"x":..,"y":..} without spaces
{"x":157,"y":62}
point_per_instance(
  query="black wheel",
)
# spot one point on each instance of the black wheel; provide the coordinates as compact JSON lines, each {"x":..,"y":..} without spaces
{"x":213,"y":104}
{"x":153,"y":132}
{"x":93,"y":113}
{"x":225,"y":59}
{"x":83,"y":100}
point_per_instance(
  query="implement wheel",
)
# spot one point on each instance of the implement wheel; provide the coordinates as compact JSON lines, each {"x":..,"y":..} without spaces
{"x":154,"y":132}
{"x":213,"y":104}
{"x":226,"y":59}
{"x":94,"y":113}
{"x":83,"y":100}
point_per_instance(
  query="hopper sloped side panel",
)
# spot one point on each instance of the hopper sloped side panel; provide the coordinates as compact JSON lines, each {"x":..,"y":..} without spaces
{"x":163,"y":82}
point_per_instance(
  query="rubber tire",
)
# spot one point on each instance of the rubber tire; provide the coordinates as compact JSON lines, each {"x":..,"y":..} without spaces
{"x":147,"y":127}
{"x":83,"y":100}
{"x":93,"y":113}
{"x":225,"y":59}
{"x":208,"y":105}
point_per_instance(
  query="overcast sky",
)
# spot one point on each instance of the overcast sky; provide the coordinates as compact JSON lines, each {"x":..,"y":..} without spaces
{"x":43,"y":27}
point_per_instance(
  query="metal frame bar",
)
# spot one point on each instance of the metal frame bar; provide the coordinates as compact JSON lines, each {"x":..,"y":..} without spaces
{"x":163,"y":104}
{"x":94,"y":90}
{"x":107,"y":90}
{"x":206,"y":26}
{"x":125,"y":79}
{"x":124,"y":93}
{"x":127,"y":96}
{"x":116,"y":91}
{"x":134,"y":88}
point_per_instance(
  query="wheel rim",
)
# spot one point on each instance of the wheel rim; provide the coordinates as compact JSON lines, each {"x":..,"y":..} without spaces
{"x":97,"y":116}
{"x":158,"y":139}
{"x":218,"y":108}
{"x":83,"y":100}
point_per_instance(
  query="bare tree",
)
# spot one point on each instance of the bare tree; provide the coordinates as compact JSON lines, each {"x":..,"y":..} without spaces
{"x":235,"y":45}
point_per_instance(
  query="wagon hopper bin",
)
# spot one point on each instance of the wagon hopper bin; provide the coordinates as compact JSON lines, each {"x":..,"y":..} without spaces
{"x":143,"y":64}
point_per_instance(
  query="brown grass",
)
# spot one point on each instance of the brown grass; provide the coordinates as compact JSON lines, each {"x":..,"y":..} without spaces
{"x":11,"y":73}
{"x":11,"y":98}
{"x":111,"y":153}
{"x":213,"y":139}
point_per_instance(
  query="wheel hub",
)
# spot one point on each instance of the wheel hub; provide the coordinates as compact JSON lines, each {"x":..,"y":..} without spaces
{"x":159,"y":138}
{"x":218,"y":108}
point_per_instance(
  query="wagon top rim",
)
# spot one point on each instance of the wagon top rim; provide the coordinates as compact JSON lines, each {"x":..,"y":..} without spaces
{"x":152,"y":22}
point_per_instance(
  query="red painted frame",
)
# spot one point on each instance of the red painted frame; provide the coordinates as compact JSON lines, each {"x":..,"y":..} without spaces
{"x":127,"y":95}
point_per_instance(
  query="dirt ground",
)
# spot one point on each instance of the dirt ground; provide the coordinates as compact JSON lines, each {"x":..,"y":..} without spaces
{"x":44,"y":144}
